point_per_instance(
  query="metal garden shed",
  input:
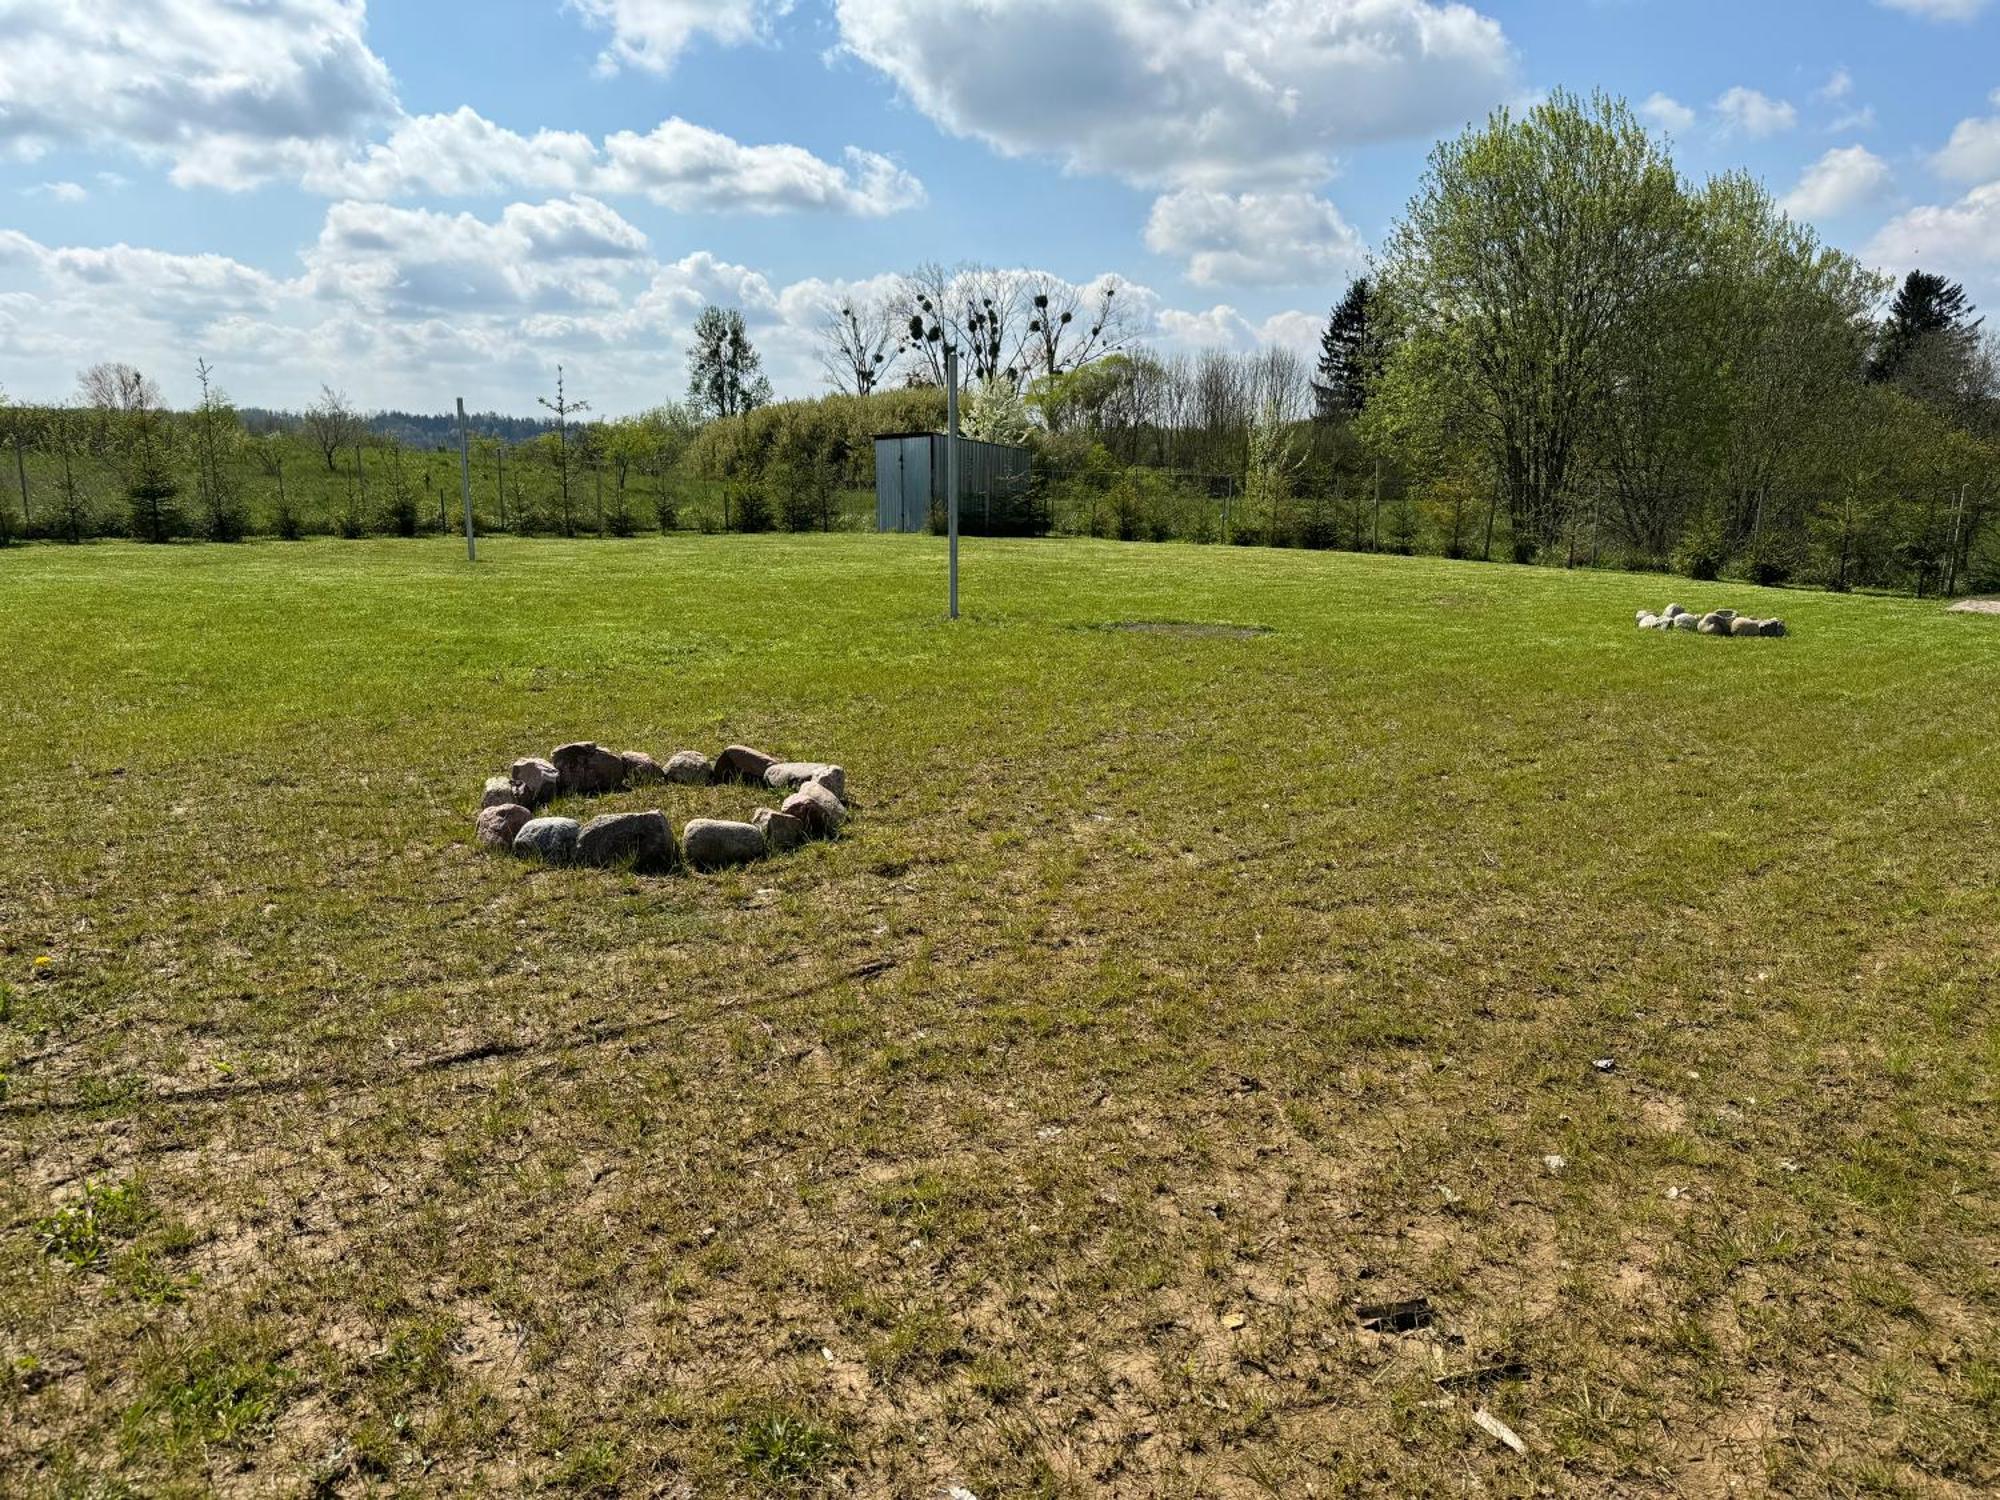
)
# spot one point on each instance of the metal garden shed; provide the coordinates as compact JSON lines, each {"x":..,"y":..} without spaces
{"x":994,"y":496}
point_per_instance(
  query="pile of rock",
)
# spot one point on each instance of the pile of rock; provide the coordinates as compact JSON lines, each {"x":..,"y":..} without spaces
{"x":1715,"y":622}
{"x":644,"y":841}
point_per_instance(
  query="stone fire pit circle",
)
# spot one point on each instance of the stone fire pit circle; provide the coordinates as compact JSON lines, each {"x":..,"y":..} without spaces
{"x":814,"y":807}
{"x":1715,"y":622}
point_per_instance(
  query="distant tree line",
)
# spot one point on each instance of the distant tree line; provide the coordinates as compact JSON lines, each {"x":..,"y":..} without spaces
{"x":1569,"y":354}
{"x":1566,"y":353}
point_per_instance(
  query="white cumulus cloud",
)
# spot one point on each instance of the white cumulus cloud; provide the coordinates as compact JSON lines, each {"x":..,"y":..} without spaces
{"x":1666,"y":112}
{"x":1755,"y":114}
{"x":1973,"y":152}
{"x":1846,"y":178}
{"x":1951,"y":237}
{"x":652,"y":34}
{"x":1939,"y":10}
{"x":680,"y":165}
{"x":225,"y":92}
{"x":408,"y":307}
{"x":1233,"y":93}
{"x":1254,"y":239}
{"x":561,"y":254}
{"x":686,"y":166}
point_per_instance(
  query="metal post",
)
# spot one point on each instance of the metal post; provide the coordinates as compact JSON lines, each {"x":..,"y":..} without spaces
{"x":21,"y":472}
{"x":951,"y":463}
{"x":1375,"y":536}
{"x":465,"y":482}
{"x":1951,"y":553}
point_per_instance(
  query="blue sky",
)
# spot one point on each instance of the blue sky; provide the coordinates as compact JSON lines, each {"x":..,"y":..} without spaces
{"x":424,"y":199}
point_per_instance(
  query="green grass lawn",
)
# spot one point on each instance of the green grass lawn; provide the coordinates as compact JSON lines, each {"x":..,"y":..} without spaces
{"x":1171,"y":993}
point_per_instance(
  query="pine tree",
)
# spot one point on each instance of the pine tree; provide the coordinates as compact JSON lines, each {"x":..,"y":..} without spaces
{"x":1927,"y":310}
{"x":1347,"y":356}
{"x":152,"y":489}
{"x":150,"y":485}
{"x":564,"y":408}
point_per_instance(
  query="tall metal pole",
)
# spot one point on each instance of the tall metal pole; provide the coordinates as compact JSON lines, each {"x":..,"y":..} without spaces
{"x":465,"y":482}
{"x":21,"y":472}
{"x":1951,"y":553}
{"x":951,"y":463}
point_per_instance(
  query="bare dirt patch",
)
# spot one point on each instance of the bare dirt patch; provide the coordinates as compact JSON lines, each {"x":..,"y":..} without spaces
{"x":1198,"y":629}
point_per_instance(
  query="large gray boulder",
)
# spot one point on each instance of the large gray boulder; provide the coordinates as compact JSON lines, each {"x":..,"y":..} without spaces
{"x":1673,"y":611}
{"x":642,"y":841}
{"x":551,"y":840}
{"x":690,"y":768}
{"x":1686,"y":621}
{"x":782,"y":831}
{"x":741,"y":763}
{"x":715,"y":843}
{"x":498,"y":825}
{"x":788,"y":775}
{"x":588,"y":768}
{"x":1713,"y":623}
{"x":1772,"y":627}
{"x":641,"y":769}
{"x":500,"y":791}
{"x":537,"y":779}
{"x":1647,"y":619}
{"x":817,"y":808}
{"x":1744,"y":625}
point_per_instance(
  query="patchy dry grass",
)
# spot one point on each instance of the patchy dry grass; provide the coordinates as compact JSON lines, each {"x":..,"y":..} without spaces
{"x":1177,"y":989}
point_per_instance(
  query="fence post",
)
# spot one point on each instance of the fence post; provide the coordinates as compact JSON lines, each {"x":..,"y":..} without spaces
{"x":464,"y":482}
{"x":1950,"y":557}
{"x":1375,"y":541}
{"x":951,"y":463}
{"x":21,"y":473}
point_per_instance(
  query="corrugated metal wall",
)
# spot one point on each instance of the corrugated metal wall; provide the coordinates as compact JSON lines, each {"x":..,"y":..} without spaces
{"x":994,"y":494}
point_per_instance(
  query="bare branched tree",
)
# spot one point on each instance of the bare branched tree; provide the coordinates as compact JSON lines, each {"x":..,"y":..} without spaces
{"x":113,"y":386}
{"x":1009,"y":326}
{"x":1070,"y":326}
{"x":860,"y":344}
{"x":974,"y":308}
{"x":331,"y":423}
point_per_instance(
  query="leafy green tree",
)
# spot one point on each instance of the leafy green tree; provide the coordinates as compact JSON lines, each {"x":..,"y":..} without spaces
{"x":994,"y":412}
{"x":1272,"y":472}
{"x":402,"y":501}
{"x":216,"y":437}
{"x":725,"y":374}
{"x":72,"y":520}
{"x":1783,"y":327}
{"x":10,"y":430}
{"x":1526,"y":244}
